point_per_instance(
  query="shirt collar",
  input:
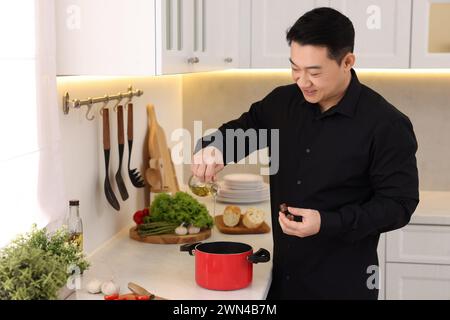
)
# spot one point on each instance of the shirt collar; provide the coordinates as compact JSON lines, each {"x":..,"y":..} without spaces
{"x":347,"y":105}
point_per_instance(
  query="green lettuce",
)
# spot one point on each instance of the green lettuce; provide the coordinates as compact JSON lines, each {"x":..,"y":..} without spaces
{"x":179,"y":208}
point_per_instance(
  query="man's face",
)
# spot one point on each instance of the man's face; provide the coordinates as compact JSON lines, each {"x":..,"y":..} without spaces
{"x":320,"y":78}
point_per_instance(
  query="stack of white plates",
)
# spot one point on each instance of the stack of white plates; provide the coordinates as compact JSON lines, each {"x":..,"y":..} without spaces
{"x":243,"y":188}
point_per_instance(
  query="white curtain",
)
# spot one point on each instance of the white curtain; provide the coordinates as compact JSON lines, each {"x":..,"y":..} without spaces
{"x":31,"y":177}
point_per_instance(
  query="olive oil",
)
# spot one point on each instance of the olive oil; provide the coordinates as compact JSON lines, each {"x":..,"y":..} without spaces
{"x":77,"y":238}
{"x":202,"y":189}
{"x":75,"y":224}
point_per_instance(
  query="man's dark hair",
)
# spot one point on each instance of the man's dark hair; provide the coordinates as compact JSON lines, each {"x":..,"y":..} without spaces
{"x":325,"y":27}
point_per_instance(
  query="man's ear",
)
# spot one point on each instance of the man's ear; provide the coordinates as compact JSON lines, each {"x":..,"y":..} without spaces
{"x":348,"y":61}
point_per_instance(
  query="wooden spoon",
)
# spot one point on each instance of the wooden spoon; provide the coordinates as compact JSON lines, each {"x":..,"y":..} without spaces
{"x":153,"y":177}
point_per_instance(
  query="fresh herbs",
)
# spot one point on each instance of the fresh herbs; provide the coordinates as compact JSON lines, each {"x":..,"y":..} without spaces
{"x":36,"y":264}
{"x":177,"y":209}
{"x":58,"y":245}
{"x":28,"y":273}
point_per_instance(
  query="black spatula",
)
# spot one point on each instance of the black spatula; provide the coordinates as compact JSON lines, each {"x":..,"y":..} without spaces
{"x":109,"y":193}
{"x":120,"y":136}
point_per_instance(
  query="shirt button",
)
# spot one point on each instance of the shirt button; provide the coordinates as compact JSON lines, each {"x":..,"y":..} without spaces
{"x":308,"y":150}
{"x":299,"y":182}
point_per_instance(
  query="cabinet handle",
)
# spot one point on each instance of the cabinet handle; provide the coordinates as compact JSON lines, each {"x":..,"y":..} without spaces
{"x":228,"y":60}
{"x":193,"y":60}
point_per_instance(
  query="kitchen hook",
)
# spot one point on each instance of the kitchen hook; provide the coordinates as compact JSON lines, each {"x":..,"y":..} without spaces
{"x":104,"y":106}
{"x":118,"y":102}
{"x":90,"y":105}
{"x":130,"y":98}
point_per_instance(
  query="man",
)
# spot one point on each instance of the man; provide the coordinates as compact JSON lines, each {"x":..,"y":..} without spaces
{"x":347,"y":166}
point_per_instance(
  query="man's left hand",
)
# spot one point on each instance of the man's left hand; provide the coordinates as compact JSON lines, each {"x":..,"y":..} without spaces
{"x":309,"y":226}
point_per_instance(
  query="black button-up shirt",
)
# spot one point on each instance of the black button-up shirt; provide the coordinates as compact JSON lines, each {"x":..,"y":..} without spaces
{"x":355,"y":163}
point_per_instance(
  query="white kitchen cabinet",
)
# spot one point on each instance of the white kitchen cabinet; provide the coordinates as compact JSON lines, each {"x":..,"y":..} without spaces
{"x":418,"y":262}
{"x":382,"y":30}
{"x":270,"y":21}
{"x":419,"y":244}
{"x":430,"y":47}
{"x":417,"y":282}
{"x":96,"y":38}
{"x":146,"y":37}
{"x":217,"y":25}
{"x":381,"y":251}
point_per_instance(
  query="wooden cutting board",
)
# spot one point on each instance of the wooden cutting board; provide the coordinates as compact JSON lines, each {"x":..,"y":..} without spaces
{"x":240,"y":228}
{"x":163,"y":178}
{"x":170,"y":238}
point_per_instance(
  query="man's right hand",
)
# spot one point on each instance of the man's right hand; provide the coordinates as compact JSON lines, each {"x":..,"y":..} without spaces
{"x":206,"y":163}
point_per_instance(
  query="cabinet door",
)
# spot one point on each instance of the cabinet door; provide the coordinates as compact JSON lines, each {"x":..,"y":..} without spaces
{"x":270,"y":21}
{"x":416,"y":281}
{"x":174,"y":36}
{"x":382,"y":31}
{"x":105,"y":37}
{"x":419,"y":244}
{"x":216,"y":34}
{"x":430,"y":34}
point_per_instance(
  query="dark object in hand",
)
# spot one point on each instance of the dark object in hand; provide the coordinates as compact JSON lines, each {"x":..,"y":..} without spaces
{"x":290,"y":216}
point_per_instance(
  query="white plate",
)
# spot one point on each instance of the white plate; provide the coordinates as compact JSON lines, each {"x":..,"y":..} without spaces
{"x":247,"y":200}
{"x":227,"y":189}
{"x":242,"y":194}
{"x":243,"y":178}
{"x":232,"y":186}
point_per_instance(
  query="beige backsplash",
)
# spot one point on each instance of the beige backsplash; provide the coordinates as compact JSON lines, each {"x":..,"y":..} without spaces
{"x":218,"y":97}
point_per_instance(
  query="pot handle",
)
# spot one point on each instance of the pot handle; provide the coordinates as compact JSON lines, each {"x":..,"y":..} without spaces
{"x":189,"y":247}
{"x":262,"y":255}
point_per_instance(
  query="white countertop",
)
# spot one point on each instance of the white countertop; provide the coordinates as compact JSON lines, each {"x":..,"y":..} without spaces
{"x":433,"y":208}
{"x":169,"y":273}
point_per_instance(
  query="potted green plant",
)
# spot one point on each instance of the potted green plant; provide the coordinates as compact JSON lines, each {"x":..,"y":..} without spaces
{"x":38,"y":265}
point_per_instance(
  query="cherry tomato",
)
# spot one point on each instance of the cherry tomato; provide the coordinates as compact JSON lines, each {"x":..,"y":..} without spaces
{"x":138,"y":217}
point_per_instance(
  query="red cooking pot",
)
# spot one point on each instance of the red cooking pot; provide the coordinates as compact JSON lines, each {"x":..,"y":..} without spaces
{"x":224,"y":265}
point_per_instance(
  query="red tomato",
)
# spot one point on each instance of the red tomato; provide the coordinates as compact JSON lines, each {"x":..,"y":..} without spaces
{"x":138,"y":217}
{"x":112,"y":297}
{"x":146,"y":212}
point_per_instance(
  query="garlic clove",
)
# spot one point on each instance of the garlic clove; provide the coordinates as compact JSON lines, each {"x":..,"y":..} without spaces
{"x":110,"y":287}
{"x":94,"y":286}
{"x":193,"y":230}
{"x":181,"y":230}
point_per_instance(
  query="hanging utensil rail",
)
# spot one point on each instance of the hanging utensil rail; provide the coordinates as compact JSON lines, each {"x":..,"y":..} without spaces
{"x":76,"y":103}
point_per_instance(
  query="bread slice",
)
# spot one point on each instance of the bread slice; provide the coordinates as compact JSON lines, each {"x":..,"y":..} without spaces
{"x":231,"y":216}
{"x":253,"y":218}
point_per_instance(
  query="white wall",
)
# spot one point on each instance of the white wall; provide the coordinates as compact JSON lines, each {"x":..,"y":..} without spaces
{"x":84,"y":168}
